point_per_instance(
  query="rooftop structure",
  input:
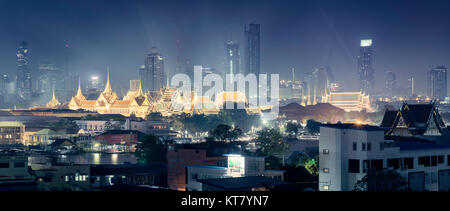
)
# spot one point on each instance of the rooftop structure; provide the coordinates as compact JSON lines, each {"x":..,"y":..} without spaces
{"x":349,"y":101}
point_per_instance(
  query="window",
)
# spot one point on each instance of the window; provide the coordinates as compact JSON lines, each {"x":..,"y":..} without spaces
{"x":369,"y":146}
{"x":448,"y":160}
{"x":19,"y":164}
{"x":326,"y":187}
{"x":394,"y":163}
{"x":440,"y":159}
{"x":363,"y":147}
{"x":194,"y":176}
{"x":381,"y":146}
{"x":354,"y":146}
{"x":425,"y":161}
{"x":434,"y":160}
{"x":326,"y":170}
{"x":353,"y":166}
{"x":4,"y":165}
{"x":408,"y":163}
{"x":326,"y":151}
{"x":366,"y":166}
{"x":376,"y":164}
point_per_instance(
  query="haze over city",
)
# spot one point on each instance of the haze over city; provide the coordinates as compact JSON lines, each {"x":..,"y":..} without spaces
{"x":409,"y":37}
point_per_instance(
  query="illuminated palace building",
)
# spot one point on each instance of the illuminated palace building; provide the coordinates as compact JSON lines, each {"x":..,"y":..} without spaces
{"x":349,"y":101}
{"x":167,"y":101}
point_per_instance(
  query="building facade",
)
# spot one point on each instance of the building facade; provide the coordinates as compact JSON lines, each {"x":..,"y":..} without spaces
{"x":348,"y":152}
{"x":365,"y":67}
{"x":233,"y":58}
{"x":437,"y":83}
{"x":252,"y":49}
{"x":23,"y":80}
{"x":349,"y":101}
{"x":152,"y":75}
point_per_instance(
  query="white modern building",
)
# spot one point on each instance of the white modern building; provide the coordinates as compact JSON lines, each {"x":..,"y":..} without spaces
{"x":238,"y":166}
{"x":348,"y":151}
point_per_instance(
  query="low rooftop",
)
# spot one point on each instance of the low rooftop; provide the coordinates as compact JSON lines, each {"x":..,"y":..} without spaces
{"x":353,"y":126}
{"x":241,"y":183}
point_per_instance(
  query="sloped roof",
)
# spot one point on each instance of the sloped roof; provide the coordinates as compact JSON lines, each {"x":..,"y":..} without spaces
{"x":389,"y":118}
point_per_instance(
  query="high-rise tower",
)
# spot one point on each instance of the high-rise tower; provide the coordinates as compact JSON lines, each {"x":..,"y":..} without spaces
{"x":437,"y":83}
{"x":365,"y":67}
{"x":23,"y":82}
{"x":233,"y":58}
{"x":252,"y":49}
{"x":152,"y":75}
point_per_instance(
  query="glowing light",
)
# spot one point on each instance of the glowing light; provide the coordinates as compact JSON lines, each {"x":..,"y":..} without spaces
{"x":366,"y":43}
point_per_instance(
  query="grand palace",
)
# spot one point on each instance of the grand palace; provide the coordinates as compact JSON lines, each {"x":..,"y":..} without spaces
{"x":167,"y":101}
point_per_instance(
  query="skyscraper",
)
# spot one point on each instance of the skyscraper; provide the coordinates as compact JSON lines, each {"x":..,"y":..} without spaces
{"x":252,"y":49}
{"x":437,"y":83}
{"x":152,"y":75}
{"x":391,"y":83}
{"x":233,"y":58}
{"x":365,"y":67}
{"x":23,"y":81}
{"x":411,"y":86}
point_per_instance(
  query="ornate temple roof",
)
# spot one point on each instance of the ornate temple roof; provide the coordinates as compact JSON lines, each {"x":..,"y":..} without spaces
{"x":53,"y":102}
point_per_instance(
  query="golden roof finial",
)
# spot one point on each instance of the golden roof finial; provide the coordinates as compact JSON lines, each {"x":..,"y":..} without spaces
{"x":108,"y":85}
{"x":140,"y":93}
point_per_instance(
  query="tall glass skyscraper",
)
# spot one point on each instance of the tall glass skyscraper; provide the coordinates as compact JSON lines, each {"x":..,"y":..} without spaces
{"x":252,"y":49}
{"x":233,"y":58}
{"x":152,"y":75}
{"x":23,"y":81}
{"x":437,"y":83}
{"x":365,"y":67}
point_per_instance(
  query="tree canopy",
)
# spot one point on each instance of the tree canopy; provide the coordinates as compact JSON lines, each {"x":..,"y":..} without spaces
{"x":151,"y":149}
{"x":313,"y":126}
{"x":291,"y":128}
{"x":270,"y":142}
{"x":381,"y":180}
{"x":226,"y":133}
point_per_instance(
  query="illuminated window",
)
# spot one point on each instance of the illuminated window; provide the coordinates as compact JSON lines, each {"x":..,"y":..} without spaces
{"x":326,"y":170}
{"x":326,"y":187}
{"x":326,"y":151}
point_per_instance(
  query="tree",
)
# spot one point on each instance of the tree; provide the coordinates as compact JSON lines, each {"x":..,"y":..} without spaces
{"x":381,"y":180}
{"x":291,"y":128}
{"x":313,"y":126}
{"x":298,"y":159}
{"x":312,"y":166}
{"x":151,"y":149}
{"x":270,"y":142}
{"x":273,"y":162}
{"x":226,"y":133}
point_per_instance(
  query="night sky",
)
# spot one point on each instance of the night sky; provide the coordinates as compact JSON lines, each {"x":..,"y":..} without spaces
{"x":409,"y":36}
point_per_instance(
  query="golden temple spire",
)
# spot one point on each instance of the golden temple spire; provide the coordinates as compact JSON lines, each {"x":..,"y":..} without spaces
{"x":53,"y":97}
{"x":108,"y":85}
{"x":79,"y":92}
{"x":53,"y":102}
{"x":140,"y":93}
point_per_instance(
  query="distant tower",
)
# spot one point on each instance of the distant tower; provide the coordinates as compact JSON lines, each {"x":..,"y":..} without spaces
{"x":391,"y":83}
{"x":365,"y":67}
{"x":153,"y":75}
{"x":233,"y":58}
{"x":411,"y":86}
{"x":252,"y":49}
{"x":23,"y":82}
{"x":293,"y":75}
{"x":437,"y":83}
